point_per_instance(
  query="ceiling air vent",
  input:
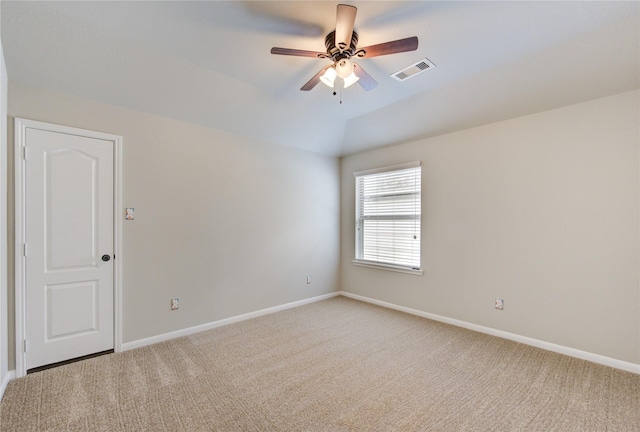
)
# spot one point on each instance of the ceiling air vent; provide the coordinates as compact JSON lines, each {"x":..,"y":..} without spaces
{"x":413,"y":70}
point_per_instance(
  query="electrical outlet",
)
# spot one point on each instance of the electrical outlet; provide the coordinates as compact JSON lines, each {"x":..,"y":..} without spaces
{"x":308,"y":280}
{"x":175,"y":303}
{"x":499,"y":304}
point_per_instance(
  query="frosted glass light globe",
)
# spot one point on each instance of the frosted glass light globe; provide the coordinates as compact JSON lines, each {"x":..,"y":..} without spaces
{"x":344,"y":68}
{"x":329,"y":77}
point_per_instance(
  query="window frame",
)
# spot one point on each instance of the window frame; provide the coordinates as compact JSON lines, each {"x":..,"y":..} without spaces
{"x":359,"y":222}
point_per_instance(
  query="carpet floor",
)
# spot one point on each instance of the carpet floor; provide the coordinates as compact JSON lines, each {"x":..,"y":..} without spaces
{"x":334,"y":365}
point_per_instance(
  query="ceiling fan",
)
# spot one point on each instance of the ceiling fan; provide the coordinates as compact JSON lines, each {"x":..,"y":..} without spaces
{"x":341,"y":48}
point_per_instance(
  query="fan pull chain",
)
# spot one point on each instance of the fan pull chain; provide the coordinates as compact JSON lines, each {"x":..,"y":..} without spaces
{"x":340,"y":87}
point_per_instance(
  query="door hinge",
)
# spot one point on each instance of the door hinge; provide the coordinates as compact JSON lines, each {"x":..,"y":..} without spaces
{"x":24,"y":152}
{"x":24,"y":249}
{"x":25,"y":345}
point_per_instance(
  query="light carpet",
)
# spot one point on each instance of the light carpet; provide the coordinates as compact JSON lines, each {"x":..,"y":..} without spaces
{"x":334,"y":365}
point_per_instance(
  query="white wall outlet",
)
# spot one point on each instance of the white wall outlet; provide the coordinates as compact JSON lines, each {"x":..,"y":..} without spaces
{"x":175,"y":303}
{"x":308,"y":279}
{"x":499,"y":304}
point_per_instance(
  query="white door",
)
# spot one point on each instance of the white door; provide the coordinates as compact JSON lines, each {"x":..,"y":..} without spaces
{"x":69,"y":228}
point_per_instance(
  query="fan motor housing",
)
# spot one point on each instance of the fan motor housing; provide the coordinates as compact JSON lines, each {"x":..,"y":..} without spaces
{"x":334,"y":52}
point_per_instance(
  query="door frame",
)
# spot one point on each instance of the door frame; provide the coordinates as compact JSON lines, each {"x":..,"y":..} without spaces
{"x":20,"y":127}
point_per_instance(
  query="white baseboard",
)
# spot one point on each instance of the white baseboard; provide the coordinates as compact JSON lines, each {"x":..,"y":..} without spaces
{"x":191,"y":330}
{"x":572,"y":352}
{"x":5,"y":382}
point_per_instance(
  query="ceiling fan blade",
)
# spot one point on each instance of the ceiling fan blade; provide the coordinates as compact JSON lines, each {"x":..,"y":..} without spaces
{"x":393,"y":47}
{"x":315,"y":80}
{"x":298,"y":53}
{"x":345,"y":20}
{"x":365,"y":80}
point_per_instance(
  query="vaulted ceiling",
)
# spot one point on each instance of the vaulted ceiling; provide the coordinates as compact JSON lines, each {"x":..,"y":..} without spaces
{"x":209,"y":63}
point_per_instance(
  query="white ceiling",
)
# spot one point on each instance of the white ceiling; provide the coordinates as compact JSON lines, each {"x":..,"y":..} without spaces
{"x":208,"y":63}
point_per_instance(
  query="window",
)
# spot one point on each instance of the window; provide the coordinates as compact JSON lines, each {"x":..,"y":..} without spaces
{"x":388,"y":208}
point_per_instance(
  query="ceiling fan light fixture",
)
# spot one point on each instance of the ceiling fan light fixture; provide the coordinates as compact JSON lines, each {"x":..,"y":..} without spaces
{"x":329,"y":77}
{"x":351,"y":79}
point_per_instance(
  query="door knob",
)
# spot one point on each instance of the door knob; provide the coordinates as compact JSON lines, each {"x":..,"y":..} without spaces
{"x":106,"y":258}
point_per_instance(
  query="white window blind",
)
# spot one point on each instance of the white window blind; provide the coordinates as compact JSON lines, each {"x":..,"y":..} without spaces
{"x":388,"y":208}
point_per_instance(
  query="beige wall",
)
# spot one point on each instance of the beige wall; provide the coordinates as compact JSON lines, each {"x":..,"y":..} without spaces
{"x":227,"y":224}
{"x":541,"y":210}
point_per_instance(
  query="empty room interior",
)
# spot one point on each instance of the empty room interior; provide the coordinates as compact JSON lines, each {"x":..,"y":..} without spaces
{"x":315,"y":216}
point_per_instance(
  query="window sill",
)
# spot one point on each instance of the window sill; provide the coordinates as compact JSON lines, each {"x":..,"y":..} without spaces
{"x":387,"y":267}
